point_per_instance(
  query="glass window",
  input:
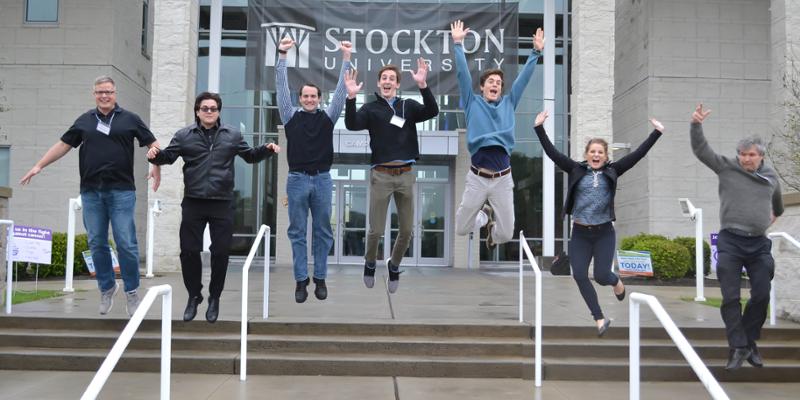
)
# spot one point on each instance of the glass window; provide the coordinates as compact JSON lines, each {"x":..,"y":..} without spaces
{"x":4,"y":165}
{"x":145,"y":20}
{"x":45,"y":11}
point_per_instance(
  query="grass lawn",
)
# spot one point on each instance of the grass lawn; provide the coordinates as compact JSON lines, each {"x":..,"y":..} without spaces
{"x":712,"y":301}
{"x":24,"y":297}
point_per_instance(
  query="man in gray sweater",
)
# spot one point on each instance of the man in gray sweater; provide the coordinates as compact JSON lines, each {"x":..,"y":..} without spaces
{"x":750,"y":200}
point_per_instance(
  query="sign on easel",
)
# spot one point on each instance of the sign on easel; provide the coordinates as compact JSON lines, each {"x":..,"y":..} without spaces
{"x":32,"y":244}
{"x":634,"y":263}
{"x":87,"y":258}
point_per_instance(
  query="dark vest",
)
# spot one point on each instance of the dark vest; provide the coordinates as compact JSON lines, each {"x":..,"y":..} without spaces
{"x":309,"y":141}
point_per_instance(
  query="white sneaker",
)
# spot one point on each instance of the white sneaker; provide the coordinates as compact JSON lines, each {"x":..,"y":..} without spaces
{"x":107,"y":299}
{"x":133,"y":302}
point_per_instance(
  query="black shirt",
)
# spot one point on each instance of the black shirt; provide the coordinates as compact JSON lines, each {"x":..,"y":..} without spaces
{"x":309,"y":142}
{"x":106,"y":160}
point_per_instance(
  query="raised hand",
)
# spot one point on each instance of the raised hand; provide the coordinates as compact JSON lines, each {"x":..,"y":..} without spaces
{"x":699,"y":114}
{"x":538,"y":39}
{"x":286,"y":44}
{"x":457,"y":31}
{"x":421,"y":74}
{"x":350,"y":82}
{"x":346,"y":48}
{"x":274,"y":147}
{"x":657,"y":125}
{"x":540,"y":118}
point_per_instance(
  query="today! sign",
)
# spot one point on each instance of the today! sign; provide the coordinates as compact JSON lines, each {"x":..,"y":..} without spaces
{"x":634,"y":263}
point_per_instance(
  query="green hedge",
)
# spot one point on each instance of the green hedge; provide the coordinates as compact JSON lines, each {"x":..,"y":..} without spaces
{"x":688,"y":242}
{"x":58,"y":261}
{"x":670,"y":260}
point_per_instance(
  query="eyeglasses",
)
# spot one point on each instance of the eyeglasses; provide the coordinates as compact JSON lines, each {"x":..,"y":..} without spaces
{"x":209,"y":109}
{"x":104,"y":92}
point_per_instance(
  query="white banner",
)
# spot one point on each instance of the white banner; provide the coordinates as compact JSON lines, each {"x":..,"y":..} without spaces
{"x":634,"y":263}
{"x":32,"y":244}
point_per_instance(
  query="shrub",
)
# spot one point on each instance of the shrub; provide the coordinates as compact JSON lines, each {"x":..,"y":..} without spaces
{"x":57,"y":265}
{"x":629,"y":243}
{"x":670,"y":260}
{"x":688,"y":242}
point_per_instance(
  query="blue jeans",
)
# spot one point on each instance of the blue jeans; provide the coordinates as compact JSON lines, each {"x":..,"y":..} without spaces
{"x":116,"y":206}
{"x":310,"y":192}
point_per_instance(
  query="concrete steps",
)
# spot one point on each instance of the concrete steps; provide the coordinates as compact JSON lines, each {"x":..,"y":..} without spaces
{"x":385,"y":349}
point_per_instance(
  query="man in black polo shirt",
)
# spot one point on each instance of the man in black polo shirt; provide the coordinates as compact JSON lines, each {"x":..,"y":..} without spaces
{"x":391,"y":122}
{"x":108,"y":193}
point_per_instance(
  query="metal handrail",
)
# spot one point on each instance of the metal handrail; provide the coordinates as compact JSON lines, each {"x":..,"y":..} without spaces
{"x":75,"y":204}
{"x":125,"y":337}
{"x":537,"y":339}
{"x":151,"y":221}
{"x":265,"y":233}
{"x":9,"y":262}
{"x":772,"y":297}
{"x":708,"y":380}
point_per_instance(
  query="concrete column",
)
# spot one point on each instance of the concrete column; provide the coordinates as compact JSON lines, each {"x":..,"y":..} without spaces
{"x":461,"y":243}
{"x":171,"y":108}
{"x":592,"y":72}
{"x":283,"y":246}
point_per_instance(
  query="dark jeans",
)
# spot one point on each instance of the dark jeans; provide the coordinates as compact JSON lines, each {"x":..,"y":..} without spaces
{"x":587,"y":242}
{"x":219,"y":215}
{"x":755,"y":254}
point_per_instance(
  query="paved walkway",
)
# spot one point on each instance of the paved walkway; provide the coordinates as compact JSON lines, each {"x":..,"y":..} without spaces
{"x":425,"y":295}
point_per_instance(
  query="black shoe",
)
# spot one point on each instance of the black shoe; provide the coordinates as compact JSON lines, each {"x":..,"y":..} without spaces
{"x":321,"y":291}
{"x":191,"y":308}
{"x":755,"y":357}
{"x":369,"y":274}
{"x":393,"y":282}
{"x":300,"y":291}
{"x":620,"y":296}
{"x":603,"y":329}
{"x":213,"y":309}
{"x":737,"y":357}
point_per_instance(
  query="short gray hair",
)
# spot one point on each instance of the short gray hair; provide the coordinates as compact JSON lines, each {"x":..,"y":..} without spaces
{"x":104,"y":79}
{"x":749,"y":142}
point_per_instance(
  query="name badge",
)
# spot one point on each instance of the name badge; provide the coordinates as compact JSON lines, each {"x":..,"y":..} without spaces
{"x":397,"y":121}
{"x":103,"y":128}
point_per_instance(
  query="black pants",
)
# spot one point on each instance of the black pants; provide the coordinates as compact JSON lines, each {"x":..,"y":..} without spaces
{"x":219,"y":215}
{"x":755,"y":254}
{"x":587,"y":242}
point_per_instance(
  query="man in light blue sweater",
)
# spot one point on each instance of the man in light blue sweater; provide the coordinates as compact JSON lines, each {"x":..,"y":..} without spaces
{"x":750,"y":201}
{"x":490,"y":139}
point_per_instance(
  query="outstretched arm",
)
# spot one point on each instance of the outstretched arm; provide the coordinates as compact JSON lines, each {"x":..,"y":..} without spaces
{"x":458,"y":32}
{"x":282,"y":82}
{"x":702,"y":150}
{"x":337,"y":103}
{"x":627,"y":162}
{"x":559,"y":158}
{"x":429,"y":107}
{"x":55,"y":152}
{"x":524,"y":76}
{"x":353,"y":120}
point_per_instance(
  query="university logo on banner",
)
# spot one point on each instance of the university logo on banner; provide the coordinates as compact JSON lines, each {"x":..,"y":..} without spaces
{"x":395,"y":33}
{"x":634,"y":263}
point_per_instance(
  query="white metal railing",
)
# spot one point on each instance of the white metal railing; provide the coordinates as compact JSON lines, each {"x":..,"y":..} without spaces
{"x":125,"y":337}
{"x":677,"y":337}
{"x":772,"y":297}
{"x":9,"y":262}
{"x":265,"y":233}
{"x":696,"y":214}
{"x":154,"y":211}
{"x":523,"y":246}
{"x":75,"y":204}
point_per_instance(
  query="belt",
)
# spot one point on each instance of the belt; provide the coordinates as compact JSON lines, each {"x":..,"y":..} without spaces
{"x":310,"y":172}
{"x":475,"y":170}
{"x":592,"y":227}
{"x":392,"y":170}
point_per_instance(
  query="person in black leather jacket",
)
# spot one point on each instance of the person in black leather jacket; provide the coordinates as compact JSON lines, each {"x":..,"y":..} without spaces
{"x":209,"y":149}
{"x":592,"y":185}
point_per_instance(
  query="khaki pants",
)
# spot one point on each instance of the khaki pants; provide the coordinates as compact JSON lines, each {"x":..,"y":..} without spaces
{"x":382,"y":186}
{"x":500,"y":194}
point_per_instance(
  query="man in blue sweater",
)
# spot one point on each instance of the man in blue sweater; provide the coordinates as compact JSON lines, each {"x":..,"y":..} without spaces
{"x":391,"y":122}
{"x":490,"y":139}
{"x":750,"y":201}
{"x":309,"y":150}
